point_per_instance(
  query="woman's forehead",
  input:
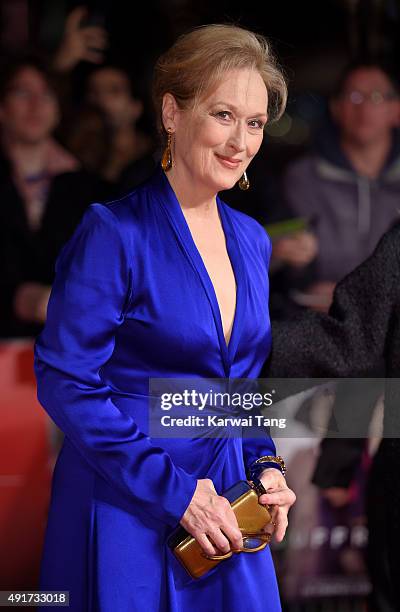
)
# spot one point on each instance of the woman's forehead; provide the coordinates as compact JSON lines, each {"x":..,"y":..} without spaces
{"x":239,"y":88}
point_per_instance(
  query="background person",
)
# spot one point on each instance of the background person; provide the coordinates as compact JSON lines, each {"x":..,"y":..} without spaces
{"x":350,"y":184}
{"x":109,"y":91}
{"x":361,"y":330}
{"x":43,"y":193}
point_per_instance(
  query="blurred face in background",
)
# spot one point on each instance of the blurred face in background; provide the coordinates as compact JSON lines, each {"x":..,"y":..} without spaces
{"x":368,"y":108}
{"x":109,"y":89}
{"x":29,"y":110}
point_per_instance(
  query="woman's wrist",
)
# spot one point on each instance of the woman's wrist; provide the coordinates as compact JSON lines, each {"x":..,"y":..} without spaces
{"x":265,"y":462}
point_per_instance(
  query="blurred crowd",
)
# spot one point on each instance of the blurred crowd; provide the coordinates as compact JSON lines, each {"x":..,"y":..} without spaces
{"x":63,"y":147}
{"x":60,"y":151}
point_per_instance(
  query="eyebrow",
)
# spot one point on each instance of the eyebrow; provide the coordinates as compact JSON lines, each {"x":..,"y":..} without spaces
{"x":234,"y":108}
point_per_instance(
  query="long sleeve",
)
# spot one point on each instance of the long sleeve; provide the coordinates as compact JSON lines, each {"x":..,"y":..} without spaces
{"x":351,"y":340}
{"x":255,"y":447}
{"x":91,"y":290}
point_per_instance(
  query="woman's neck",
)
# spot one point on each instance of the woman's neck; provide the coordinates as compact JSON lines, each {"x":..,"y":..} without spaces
{"x":368,"y":160}
{"x":195,"y":200}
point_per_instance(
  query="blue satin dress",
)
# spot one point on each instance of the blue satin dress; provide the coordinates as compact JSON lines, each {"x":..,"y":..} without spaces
{"x":132,"y":300}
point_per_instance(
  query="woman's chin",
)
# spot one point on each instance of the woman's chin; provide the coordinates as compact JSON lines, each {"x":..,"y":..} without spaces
{"x":226,"y":184}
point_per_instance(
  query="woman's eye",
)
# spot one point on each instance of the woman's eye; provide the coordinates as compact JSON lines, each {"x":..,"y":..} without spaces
{"x":256,"y":123}
{"x":224,"y":115}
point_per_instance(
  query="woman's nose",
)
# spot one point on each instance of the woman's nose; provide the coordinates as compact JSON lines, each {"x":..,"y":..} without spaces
{"x":238,"y":137}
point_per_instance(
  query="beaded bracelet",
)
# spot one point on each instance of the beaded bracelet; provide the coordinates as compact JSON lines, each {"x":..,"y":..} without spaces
{"x":264,"y":462}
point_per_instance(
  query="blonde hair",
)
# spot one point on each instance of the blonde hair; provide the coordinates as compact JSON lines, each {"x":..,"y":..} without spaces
{"x":197,"y":61}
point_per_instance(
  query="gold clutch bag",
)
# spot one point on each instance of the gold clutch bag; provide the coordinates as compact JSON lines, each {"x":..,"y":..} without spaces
{"x":252,"y":518}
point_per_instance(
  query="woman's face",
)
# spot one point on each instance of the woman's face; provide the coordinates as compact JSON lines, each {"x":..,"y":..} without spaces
{"x":29,"y":110}
{"x":215,"y":142}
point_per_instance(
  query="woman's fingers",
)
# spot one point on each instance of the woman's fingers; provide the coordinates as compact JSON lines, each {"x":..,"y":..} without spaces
{"x":233,"y":533}
{"x":219,"y":540}
{"x":279,"y":497}
{"x":281,"y":501}
{"x":271,"y":526}
{"x":226,"y":532}
{"x":281,"y":521}
{"x":278,"y":524}
{"x":212,"y":522}
{"x":210,"y":514}
{"x":206,"y":545}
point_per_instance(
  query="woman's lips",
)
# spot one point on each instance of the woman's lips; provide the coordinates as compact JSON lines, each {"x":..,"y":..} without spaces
{"x":228,"y":162}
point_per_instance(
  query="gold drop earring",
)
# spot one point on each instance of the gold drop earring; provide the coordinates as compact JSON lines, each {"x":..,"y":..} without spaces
{"x":166,"y":161}
{"x":244,"y":182}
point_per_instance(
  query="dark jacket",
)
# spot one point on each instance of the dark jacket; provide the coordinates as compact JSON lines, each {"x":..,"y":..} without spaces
{"x":361,"y":329}
{"x":27,"y":255}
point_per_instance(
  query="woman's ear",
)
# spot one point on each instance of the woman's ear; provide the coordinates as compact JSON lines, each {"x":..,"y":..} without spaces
{"x":169,"y":112}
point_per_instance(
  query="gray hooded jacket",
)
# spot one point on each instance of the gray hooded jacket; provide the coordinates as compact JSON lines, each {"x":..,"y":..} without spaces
{"x":349,"y":212}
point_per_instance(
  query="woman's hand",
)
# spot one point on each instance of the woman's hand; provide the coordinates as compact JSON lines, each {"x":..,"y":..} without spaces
{"x":280,"y":497}
{"x":210,"y":515}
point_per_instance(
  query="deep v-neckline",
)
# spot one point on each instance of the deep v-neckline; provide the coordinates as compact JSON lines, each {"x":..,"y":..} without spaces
{"x":174,"y":211}
{"x":227,"y":342}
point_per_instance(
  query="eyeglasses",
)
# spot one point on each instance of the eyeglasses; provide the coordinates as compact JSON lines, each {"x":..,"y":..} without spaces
{"x":252,"y":542}
{"x":374,"y":97}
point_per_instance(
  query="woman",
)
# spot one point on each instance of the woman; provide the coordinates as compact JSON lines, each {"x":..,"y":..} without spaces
{"x":361,"y":331}
{"x":166,"y":282}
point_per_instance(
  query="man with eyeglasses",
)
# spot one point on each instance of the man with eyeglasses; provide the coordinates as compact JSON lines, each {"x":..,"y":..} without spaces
{"x":349,"y":185}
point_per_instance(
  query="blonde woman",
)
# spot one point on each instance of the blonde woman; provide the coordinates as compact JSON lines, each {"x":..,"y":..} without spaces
{"x":165,"y":282}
